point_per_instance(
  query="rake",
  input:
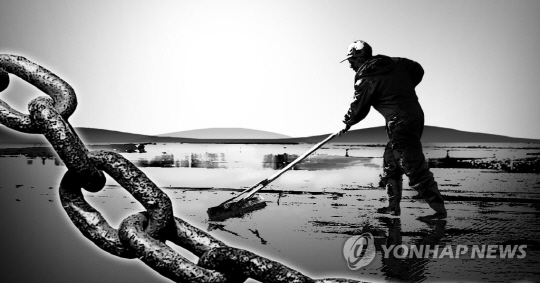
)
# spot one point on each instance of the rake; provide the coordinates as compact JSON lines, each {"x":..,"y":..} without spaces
{"x":246,"y":201}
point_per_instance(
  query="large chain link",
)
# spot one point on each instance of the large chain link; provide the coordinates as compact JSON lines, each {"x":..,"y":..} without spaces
{"x":63,"y":95}
{"x":141,"y":235}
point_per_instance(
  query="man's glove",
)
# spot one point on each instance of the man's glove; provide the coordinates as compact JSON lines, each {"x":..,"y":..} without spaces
{"x":347,"y":117}
{"x":347,"y":127}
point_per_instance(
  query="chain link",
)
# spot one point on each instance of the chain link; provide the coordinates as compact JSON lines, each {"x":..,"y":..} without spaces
{"x":49,"y":117}
{"x":63,"y":95}
{"x":65,"y":142}
{"x":141,"y":235}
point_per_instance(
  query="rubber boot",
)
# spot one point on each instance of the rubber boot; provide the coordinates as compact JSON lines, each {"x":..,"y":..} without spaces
{"x":417,"y":196}
{"x":440,"y":212}
{"x":436,"y":202}
{"x":393,"y":188}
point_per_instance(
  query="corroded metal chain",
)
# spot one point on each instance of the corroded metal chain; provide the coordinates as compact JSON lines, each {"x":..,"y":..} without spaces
{"x":141,"y":235}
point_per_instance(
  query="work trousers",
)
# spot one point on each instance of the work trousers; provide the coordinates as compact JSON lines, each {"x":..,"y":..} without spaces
{"x":403,"y":155}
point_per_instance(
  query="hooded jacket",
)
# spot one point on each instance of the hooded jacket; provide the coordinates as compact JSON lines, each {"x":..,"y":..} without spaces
{"x":388,"y":84}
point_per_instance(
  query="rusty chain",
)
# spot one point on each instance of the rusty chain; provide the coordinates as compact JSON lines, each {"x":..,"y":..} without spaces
{"x":141,"y":235}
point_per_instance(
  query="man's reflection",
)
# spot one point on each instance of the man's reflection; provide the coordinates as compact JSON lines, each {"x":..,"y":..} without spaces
{"x":406,"y":268}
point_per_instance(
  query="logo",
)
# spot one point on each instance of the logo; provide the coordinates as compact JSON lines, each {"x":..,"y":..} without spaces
{"x":459,"y":251}
{"x":359,"y":251}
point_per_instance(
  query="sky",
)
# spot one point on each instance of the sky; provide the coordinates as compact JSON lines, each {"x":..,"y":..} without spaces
{"x":154,"y":67}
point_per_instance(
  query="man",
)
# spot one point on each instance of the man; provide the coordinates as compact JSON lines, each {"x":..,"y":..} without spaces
{"x":388,"y":84}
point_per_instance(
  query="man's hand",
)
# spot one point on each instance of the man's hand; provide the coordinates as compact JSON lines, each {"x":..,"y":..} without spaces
{"x":347,"y":127}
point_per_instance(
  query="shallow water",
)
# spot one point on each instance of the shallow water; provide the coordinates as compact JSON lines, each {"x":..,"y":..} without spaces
{"x":311,"y":212}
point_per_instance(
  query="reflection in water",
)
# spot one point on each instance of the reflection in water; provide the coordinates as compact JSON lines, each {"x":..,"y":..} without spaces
{"x":516,"y":158}
{"x":221,"y":227}
{"x":256,"y":233}
{"x":317,"y":162}
{"x":164,"y":160}
{"x":208,"y":160}
{"x":269,"y":161}
{"x":191,"y":160}
{"x":405,"y":269}
{"x":522,"y":158}
{"x":279,"y":161}
{"x":220,"y":156}
{"x":220,"y":161}
{"x":57,"y":161}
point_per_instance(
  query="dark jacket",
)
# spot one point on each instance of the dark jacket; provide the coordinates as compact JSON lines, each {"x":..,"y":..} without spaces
{"x":387,"y":84}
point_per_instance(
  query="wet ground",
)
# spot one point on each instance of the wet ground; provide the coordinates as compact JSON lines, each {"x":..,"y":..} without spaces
{"x":318,"y":225}
{"x":309,"y":216}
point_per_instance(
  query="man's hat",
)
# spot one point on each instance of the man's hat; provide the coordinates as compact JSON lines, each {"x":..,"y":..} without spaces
{"x":356,"y":49}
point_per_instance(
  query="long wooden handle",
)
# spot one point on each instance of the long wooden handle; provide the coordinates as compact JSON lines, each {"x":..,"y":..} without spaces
{"x":300,"y":158}
{"x":268,"y":180}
